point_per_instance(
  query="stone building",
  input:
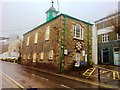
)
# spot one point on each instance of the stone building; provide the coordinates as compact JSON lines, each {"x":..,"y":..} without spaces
{"x":108,"y":32}
{"x":58,"y":42}
{"x":14,"y":48}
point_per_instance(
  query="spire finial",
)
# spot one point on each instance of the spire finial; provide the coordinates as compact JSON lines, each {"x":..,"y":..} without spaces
{"x":52,"y":3}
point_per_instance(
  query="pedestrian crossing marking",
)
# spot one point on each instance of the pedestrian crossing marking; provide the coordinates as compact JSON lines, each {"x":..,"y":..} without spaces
{"x":89,"y":72}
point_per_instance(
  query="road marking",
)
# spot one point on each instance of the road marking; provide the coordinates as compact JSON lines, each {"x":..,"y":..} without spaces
{"x":42,"y":78}
{"x":89,"y":72}
{"x":75,"y":78}
{"x":105,"y":68}
{"x":18,"y":84}
{"x":66,"y":87}
{"x":33,"y":75}
{"x":89,"y":82}
{"x":116,"y":75}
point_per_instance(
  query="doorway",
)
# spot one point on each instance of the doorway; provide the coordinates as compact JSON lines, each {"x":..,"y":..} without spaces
{"x":106,"y":56}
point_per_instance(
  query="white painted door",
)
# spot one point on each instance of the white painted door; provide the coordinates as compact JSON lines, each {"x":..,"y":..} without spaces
{"x":77,"y":64}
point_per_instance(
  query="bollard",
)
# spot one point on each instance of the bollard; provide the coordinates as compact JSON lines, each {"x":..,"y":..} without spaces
{"x":99,"y":74}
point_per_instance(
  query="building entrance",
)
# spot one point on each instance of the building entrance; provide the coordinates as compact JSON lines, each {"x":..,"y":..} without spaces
{"x":105,"y":56}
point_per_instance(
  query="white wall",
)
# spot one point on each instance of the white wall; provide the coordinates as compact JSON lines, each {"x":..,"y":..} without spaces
{"x":94,"y":46}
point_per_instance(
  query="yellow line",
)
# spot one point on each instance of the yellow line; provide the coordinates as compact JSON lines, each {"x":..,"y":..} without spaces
{"x":77,"y":79}
{"x":94,"y":83}
{"x":106,"y":68}
{"x":18,"y":84}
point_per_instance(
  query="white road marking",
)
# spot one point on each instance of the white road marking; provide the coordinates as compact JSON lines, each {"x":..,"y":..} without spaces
{"x":40,"y":77}
{"x":43,"y":78}
{"x":67,"y":87}
{"x":33,"y":75}
{"x":18,"y":84}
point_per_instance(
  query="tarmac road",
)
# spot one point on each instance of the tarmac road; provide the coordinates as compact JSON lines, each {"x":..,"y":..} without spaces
{"x":35,"y":79}
{"x":6,"y":82}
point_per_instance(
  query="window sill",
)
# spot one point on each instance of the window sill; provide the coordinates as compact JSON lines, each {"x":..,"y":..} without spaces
{"x":105,"y":42}
{"x":77,"y":38}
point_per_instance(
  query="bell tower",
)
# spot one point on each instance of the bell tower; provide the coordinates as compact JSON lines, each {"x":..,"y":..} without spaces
{"x":51,"y":13}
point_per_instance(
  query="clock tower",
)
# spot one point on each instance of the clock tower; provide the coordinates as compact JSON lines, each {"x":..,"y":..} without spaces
{"x":51,"y":13}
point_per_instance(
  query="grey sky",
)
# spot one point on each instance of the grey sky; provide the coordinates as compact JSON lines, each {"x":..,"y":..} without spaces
{"x":20,"y":17}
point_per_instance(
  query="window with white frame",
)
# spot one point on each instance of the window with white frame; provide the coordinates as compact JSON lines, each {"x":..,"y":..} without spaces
{"x":34,"y":57}
{"x":24,"y":56}
{"x":28,"y":56}
{"x":118,"y":36}
{"x":78,"y":32}
{"x":105,"y":37}
{"x":47,"y":33}
{"x":36,"y":37}
{"x":28,"y":39}
{"x":51,"y":54}
{"x":42,"y":56}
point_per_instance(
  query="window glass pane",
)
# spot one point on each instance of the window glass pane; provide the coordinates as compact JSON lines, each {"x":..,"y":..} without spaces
{"x":24,"y":56}
{"x":51,"y":54}
{"x":74,"y":31}
{"x":34,"y":57}
{"x":36,"y":37}
{"x":77,"y":31}
{"x":28,"y":39}
{"x":47,"y":33}
{"x":42,"y":55}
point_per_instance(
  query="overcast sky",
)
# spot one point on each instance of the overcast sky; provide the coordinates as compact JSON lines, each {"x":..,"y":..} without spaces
{"x":20,"y":16}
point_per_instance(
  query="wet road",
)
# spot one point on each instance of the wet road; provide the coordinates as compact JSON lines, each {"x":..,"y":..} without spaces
{"x":34,"y":79}
{"x":5,"y":82}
